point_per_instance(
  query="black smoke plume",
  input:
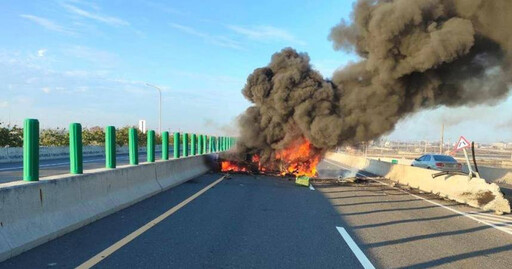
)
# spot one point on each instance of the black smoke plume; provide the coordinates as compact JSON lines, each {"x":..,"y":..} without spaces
{"x":414,"y":55}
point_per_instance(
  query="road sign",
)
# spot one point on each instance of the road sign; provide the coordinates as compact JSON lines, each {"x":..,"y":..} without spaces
{"x":462,"y":144}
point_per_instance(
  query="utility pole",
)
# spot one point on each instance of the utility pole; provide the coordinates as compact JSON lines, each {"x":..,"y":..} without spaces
{"x":442,"y":139}
{"x":160,"y":107}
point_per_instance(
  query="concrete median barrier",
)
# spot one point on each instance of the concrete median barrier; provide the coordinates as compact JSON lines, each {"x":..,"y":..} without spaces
{"x":475,"y":192}
{"x":32,"y":213}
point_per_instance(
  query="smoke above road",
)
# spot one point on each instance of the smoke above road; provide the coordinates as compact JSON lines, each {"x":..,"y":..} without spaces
{"x":414,"y":55}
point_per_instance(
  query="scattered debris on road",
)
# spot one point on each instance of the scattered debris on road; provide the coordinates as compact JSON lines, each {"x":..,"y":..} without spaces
{"x":302,"y":181}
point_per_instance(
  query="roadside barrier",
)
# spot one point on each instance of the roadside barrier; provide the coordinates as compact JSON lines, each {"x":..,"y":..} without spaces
{"x":475,"y":192}
{"x":32,"y":213}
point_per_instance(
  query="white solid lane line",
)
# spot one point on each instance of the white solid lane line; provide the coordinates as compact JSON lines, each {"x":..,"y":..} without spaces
{"x":355,"y":249}
{"x":495,"y":220}
{"x":121,"y":243}
{"x":311,"y":187}
{"x":505,"y":218}
{"x":468,"y":215}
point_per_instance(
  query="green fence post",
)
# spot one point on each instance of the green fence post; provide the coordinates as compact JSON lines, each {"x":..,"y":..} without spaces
{"x":176,"y":144}
{"x":165,"y":145}
{"x":205,"y":144}
{"x":75,"y":149}
{"x":205,"y":148}
{"x":185,"y":145}
{"x":31,"y":150}
{"x":210,"y":144}
{"x":193,"y":141}
{"x":110,"y":147}
{"x":150,"y":146}
{"x":200,"y":144}
{"x":134,"y":147}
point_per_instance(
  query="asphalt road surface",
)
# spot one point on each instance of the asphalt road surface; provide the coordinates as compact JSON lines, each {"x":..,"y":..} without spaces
{"x":14,"y":171}
{"x":250,"y":221}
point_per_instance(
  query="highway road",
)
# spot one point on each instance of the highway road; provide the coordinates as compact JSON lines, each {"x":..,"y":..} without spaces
{"x":249,"y":221}
{"x":14,"y":171}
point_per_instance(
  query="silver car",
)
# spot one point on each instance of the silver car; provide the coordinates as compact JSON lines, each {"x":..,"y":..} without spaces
{"x":437,"y":162}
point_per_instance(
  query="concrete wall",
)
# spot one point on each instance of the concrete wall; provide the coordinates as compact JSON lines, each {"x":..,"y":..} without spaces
{"x":32,"y":213}
{"x":475,"y":192}
{"x":10,"y":155}
{"x":491,"y":174}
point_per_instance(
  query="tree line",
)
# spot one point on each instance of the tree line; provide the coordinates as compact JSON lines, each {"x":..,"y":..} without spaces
{"x":12,"y":136}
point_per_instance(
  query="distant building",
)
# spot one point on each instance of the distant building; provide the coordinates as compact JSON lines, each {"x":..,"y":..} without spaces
{"x":499,"y":145}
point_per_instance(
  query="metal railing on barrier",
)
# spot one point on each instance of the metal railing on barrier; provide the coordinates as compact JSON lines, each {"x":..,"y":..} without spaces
{"x":199,"y":144}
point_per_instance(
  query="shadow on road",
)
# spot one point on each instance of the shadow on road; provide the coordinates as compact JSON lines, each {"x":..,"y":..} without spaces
{"x":463,"y":256}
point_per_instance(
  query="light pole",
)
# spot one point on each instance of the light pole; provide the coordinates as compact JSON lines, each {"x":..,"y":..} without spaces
{"x":160,"y":106}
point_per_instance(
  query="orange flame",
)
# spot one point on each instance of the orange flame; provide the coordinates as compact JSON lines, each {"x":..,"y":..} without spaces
{"x":299,"y":159}
{"x":228,"y":166}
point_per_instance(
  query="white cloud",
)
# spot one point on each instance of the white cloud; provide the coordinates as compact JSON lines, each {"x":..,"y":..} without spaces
{"x":213,"y":39}
{"x":41,"y":52}
{"x":103,"y":58}
{"x":94,"y":97}
{"x":265,"y":33}
{"x":46,"y":90}
{"x":4,"y":104}
{"x":114,"y":21}
{"x":47,"y":24}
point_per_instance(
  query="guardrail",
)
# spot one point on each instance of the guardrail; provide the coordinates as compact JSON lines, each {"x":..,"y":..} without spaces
{"x":199,"y":144}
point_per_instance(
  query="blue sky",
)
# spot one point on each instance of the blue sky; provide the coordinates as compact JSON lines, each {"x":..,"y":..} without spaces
{"x":88,"y":62}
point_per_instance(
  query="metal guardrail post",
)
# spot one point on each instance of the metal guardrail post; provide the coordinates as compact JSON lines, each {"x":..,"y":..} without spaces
{"x":110,"y":147}
{"x":75,"y":149}
{"x":199,"y":144}
{"x":205,"y":139}
{"x":165,"y":145}
{"x":133,"y":145}
{"x":193,"y":142}
{"x":31,"y":150}
{"x":150,"y":151}
{"x":176,"y":144}
{"x":185,"y":144}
